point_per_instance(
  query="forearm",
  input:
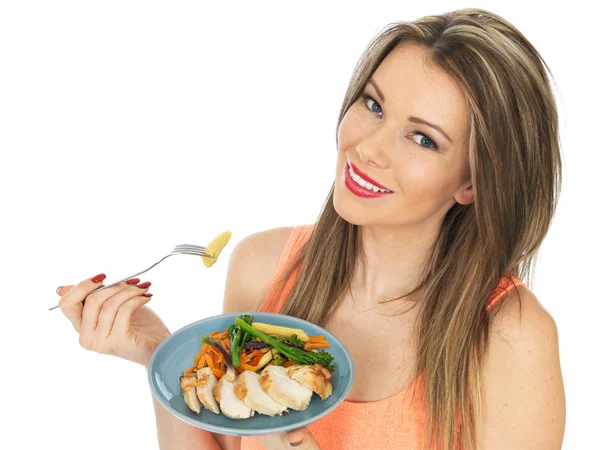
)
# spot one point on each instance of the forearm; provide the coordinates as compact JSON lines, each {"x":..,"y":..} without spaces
{"x":175,"y":434}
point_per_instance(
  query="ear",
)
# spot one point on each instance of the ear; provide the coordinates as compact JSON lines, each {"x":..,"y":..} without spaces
{"x":465,"y":194}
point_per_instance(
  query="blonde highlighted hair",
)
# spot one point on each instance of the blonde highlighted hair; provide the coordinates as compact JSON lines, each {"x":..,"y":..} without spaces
{"x":515,"y":169}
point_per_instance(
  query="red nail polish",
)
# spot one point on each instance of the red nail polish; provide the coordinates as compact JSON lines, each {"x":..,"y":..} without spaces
{"x":133,"y":281}
{"x":144,"y":285}
{"x":147,"y":294}
{"x":98,"y":278}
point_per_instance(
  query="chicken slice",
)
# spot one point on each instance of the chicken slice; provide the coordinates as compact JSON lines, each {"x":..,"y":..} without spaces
{"x":231,"y":406}
{"x":315,"y":377}
{"x":188,"y":389}
{"x":249,"y":391}
{"x":204,"y":389}
{"x":283,"y":389}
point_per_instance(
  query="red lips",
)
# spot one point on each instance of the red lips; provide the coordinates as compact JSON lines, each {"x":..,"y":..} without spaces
{"x":366,"y":177}
{"x":357,"y":189}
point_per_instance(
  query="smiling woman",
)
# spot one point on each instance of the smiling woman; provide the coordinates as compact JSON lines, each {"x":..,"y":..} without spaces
{"x":447,"y":177}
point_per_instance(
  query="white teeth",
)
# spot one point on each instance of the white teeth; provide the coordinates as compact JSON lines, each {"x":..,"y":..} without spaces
{"x":364,"y":183}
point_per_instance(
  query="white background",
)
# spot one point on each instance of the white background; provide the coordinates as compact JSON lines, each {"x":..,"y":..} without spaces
{"x":127,"y":127}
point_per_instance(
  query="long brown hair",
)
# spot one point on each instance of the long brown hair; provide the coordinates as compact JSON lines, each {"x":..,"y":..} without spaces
{"x":515,"y":168}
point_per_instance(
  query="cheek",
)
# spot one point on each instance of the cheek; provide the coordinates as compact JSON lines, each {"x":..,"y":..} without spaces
{"x":422,"y":180}
{"x":350,"y":129}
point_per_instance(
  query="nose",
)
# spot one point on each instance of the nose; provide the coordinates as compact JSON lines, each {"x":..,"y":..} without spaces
{"x":373,"y":148}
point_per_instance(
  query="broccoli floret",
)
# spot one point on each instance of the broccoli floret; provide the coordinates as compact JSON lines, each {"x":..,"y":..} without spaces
{"x":238,"y":337}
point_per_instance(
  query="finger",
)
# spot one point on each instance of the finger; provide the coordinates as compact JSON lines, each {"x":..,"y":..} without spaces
{"x":301,"y":439}
{"x":93,"y":306}
{"x":72,"y":301}
{"x":71,"y":309}
{"x":111,"y":307}
{"x":122,"y":322}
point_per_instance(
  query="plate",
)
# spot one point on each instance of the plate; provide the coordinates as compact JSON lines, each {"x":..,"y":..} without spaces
{"x":176,"y":353}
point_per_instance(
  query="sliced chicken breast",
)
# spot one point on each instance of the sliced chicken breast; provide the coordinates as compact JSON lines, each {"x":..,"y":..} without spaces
{"x":315,"y":377}
{"x":284,"y":390}
{"x":231,"y":406}
{"x":204,"y":389}
{"x":247,"y":389}
{"x":188,"y":389}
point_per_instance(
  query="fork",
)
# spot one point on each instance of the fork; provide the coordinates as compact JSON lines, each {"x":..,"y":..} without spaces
{"x":189,"y":249}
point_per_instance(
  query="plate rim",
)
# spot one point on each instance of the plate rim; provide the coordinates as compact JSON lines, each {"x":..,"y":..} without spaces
{"x":236,"y":431}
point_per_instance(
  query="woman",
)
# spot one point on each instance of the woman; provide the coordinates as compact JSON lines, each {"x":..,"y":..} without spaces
{"x":447,"y":177}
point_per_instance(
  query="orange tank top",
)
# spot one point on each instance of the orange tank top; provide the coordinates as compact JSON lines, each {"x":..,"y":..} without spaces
{"x":396,"y":422}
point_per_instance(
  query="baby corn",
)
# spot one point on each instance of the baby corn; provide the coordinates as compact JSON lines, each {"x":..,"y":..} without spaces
{"x":214,"y":248}
{"x":266,"y":358}
{"x":271,"y":330}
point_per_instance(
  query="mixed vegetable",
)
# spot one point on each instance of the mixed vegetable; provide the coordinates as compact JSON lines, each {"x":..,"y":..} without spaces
{"x":250,"y":345}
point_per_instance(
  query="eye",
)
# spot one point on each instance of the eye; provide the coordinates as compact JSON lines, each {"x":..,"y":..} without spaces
{"x":428,"y":143}
{"x":366,"y":99}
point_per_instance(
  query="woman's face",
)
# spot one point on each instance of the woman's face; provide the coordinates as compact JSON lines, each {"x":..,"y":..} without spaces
{"x":423,"y":173}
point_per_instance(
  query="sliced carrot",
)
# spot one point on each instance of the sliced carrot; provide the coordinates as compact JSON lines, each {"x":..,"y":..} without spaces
{"x":202,"y":362}
{"x":201,"y":353}
{"x":288,"y":363}
{"x":248,"y":367}
{"x":210,"y":361}
{"x":316,"y":338}
{"x":246,"y":356}
{"x":219,"y":355}
{"x":226,"y":343}
{"x":190,"y":370}
{"x":311,"y":346}
{"x":218,"y":373}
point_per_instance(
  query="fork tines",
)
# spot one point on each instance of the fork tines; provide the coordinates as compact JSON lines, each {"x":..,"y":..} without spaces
{"x":191,"y":249}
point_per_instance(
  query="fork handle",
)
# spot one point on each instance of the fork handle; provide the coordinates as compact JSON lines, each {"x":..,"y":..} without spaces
{"x":129,"y":277}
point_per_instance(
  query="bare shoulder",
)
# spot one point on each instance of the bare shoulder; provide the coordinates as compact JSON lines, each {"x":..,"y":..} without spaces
{"x":251,"y":266}
{"x":522,"y":381}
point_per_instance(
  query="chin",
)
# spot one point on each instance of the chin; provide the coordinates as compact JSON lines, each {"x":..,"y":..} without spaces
{"x":347,"y":211}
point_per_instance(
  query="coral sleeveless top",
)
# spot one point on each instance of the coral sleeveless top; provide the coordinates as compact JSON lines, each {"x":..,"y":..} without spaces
{"x":395,"y":422}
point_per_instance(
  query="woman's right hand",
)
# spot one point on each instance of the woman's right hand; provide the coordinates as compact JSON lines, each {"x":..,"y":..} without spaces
{"x":113,"y":321}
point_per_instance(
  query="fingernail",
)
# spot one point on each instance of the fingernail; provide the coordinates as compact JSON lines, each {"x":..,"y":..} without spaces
{"x":98,"y":278}
{"x":144,"y":285}
{"x":295,"y":444}
{"x":58,"y":290}
{"x":147,"y":294}
{"x":133,"y":281}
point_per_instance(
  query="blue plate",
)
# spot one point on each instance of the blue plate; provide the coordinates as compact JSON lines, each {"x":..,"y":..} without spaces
{"x":176,"y":353}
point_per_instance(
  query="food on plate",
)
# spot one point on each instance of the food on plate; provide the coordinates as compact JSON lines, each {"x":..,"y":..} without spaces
{"x":249,"y":390}
{"x":316,"y":378}
{"x":205,"y":389}
{"x":188,"y":388}
{"x":256,"y":367}
{"x":274,"y":330}
{"x":277,"y":383}
{"x":231,"y":405}
{"x":214,"y":248}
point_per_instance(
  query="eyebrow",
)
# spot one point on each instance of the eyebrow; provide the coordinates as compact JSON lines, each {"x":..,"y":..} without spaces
{"x":411,"y":118}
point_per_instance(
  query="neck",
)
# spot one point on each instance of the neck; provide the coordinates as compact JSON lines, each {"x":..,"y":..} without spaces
{"x":393,"y":261}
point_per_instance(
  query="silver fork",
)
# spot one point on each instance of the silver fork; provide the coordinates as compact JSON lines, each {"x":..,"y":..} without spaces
{"x":188,"y":249}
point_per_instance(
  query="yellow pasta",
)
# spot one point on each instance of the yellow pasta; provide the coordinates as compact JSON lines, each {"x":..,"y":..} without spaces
{"x":214,"y":248}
